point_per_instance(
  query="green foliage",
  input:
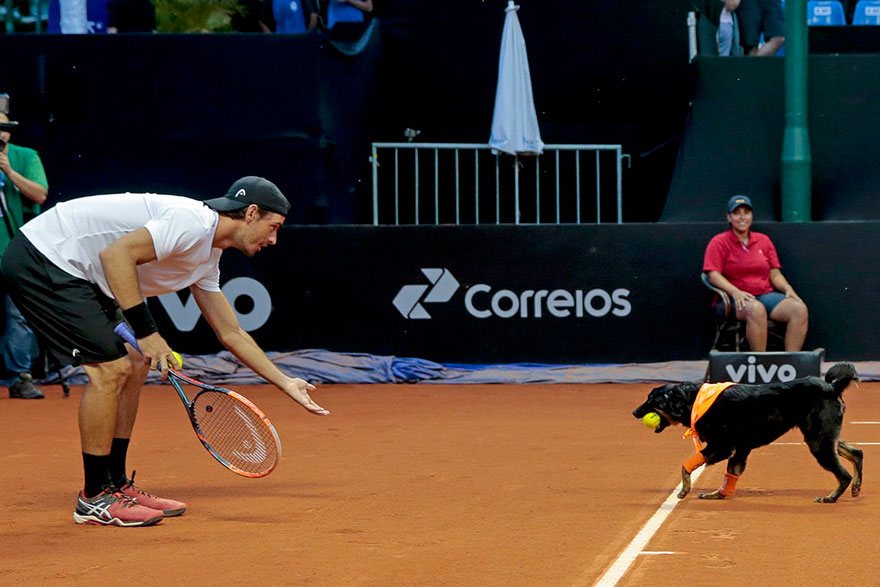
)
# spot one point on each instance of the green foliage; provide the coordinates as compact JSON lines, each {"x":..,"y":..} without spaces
{"x":195,"y":16}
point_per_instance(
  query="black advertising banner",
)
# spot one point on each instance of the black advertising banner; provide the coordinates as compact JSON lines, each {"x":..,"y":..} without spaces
{"x":760,"y":368}
{"x":499,"y":294}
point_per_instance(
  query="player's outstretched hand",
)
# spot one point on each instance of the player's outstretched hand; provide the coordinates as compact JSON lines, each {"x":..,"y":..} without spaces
{"x":299,"y":390}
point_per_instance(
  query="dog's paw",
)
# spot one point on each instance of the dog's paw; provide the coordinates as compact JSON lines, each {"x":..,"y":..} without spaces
{"x":685,"y":483}
{"x":826,"y":499}
{"x":856,"y":489}
{"x":714,"y":495}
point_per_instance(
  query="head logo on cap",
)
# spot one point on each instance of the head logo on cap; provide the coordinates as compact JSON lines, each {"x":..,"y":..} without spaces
{"x":252,"y":190}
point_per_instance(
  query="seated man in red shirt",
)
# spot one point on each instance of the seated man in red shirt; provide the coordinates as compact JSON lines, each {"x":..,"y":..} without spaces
{"x":744,"y":264}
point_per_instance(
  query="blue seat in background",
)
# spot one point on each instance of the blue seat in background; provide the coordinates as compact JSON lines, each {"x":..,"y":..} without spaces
{"x":825,"y":13}
{"x":867,"y":12}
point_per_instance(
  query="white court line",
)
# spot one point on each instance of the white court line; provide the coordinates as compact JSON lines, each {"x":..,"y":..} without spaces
{"x":628,"y":556}
{"x":634,"y":549}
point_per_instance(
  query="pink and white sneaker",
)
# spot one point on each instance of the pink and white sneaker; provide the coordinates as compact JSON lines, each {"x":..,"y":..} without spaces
{"x":169,"y":507}
{"x":112,"y":508}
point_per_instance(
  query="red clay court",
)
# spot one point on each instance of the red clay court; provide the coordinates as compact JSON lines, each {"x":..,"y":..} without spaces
{"x":437,"y":485}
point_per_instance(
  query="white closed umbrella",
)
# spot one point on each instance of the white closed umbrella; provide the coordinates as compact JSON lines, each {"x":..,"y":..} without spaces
{"x":515,"y":122}
{"x":74,"y":17}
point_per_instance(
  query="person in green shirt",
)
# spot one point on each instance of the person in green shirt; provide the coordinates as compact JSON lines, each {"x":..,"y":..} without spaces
{"x":23,"y":187}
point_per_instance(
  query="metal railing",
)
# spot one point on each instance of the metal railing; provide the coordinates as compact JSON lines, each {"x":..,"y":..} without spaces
{"x":456,"y":180}
{"x":13,"y":21}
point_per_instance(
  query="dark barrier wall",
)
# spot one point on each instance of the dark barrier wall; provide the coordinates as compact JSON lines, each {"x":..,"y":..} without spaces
{"x":188,"y":114}
{"x":733,"y":142}
{"x":844,"y":39}
{"x":570,"y":294}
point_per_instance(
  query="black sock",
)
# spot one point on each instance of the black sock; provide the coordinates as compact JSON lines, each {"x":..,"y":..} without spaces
{"x":97,"y":474}
{"x":118,"y":452}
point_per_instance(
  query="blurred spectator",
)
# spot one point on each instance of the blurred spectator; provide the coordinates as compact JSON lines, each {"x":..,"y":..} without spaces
{"x":728,"y":31}
{"x":23,"y":187}
{"x":347,"y":11}
{"x":289,"y":16}
{"x":757,"y":17}
{"x":717,"y":27}
{"x":131,"y":16}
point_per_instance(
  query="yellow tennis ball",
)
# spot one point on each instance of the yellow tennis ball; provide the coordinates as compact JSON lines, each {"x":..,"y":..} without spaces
{"x":179,"y":359}
{"x":651,"y":420}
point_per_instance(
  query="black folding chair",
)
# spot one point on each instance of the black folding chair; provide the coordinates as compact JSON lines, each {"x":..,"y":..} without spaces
{"x":730,"y":333}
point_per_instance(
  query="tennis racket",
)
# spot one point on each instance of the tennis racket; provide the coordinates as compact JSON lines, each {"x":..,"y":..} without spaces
{"x":230,"y":427}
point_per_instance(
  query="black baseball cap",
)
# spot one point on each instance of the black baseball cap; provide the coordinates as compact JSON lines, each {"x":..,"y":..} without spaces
{"x":251,"y":190}
{"x":737,"y":201}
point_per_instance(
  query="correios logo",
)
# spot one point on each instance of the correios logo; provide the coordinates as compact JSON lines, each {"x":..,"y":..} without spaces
{"x":483,"y":301}
{"x":408,"y":300}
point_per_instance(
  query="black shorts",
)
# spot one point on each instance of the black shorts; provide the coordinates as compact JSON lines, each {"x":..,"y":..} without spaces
{"x":760,"y":16}
{"x":72,"y":318}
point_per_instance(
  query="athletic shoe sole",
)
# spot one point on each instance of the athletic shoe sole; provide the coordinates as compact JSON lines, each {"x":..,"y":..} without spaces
{"x":96,"y":521}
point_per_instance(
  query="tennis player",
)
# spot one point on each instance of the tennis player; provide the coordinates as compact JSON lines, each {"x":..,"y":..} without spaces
{"x":84,"y":265}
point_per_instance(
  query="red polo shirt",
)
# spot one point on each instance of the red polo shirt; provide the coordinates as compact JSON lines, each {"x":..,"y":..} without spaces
{"x":745,"y":266}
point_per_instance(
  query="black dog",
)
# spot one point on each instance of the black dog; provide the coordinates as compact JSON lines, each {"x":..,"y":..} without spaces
{"x":744,"y":417}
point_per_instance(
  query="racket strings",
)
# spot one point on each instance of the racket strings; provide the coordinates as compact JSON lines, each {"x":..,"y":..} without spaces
{"x":235,"y":432}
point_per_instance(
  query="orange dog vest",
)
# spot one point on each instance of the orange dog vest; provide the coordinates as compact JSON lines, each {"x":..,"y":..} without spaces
{"x":707,"y":395}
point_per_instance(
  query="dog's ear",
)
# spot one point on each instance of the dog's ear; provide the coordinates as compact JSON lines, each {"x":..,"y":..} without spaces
{"x":679,"y":403}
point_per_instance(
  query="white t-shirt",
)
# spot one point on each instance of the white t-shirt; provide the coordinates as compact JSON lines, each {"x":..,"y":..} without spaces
{"x":72,"y":234}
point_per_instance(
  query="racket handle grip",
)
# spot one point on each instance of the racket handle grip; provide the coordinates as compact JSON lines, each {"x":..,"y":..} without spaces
{"x":127,"y":334}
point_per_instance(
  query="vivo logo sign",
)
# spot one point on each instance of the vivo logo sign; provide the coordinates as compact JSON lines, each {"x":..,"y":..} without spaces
{"x":483,"y":301}
{"x":186,"y":314}
{"x":754,"y":373}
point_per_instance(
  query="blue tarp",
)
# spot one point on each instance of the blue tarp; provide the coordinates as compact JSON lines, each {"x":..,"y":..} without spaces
{"x":322,"y":366}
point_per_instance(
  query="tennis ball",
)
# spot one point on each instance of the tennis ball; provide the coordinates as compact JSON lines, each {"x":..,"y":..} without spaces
{"x":179,"y":359}
{"x":651,"y":420}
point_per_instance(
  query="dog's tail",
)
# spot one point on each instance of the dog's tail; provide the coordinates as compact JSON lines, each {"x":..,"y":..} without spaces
{"x":841,"y":375}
